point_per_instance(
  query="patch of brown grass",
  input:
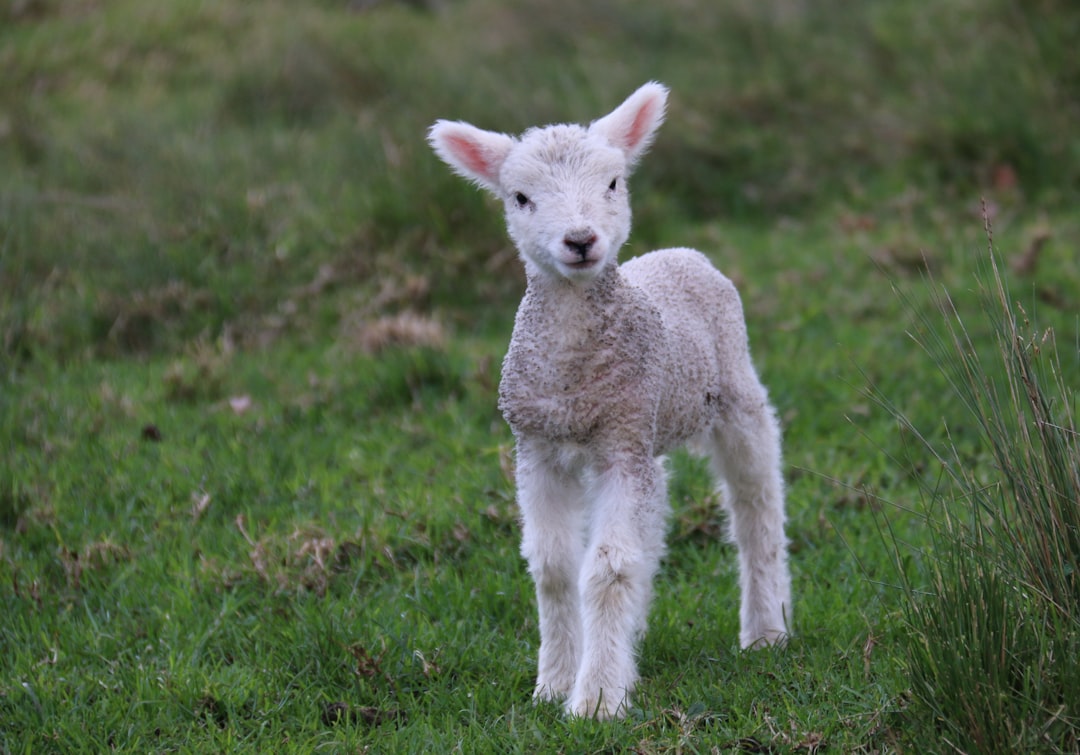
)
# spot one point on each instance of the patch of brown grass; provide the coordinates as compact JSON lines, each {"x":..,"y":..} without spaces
{"x":400,"y":330}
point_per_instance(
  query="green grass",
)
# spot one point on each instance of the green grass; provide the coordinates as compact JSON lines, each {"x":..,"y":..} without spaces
{"x":1004,"y":593}
{"x":255,"y":494}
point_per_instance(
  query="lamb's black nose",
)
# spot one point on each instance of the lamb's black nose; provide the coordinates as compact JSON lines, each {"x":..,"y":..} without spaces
{"x":580,"y":242}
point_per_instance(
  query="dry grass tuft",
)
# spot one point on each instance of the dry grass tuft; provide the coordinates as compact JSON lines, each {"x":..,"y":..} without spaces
{"x":405,"y":329}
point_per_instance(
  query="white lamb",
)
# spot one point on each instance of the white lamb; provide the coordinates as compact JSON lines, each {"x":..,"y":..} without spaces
{"x":609,"y":368}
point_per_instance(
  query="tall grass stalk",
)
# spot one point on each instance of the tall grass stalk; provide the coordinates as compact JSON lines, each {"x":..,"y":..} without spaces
{"x":993,"y":641}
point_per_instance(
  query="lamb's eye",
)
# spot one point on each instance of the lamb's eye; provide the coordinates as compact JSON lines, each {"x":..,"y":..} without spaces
{"x":613,"y":184}
{"x":521,"y":199}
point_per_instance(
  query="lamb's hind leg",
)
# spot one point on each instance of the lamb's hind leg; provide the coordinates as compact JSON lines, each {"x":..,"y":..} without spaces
{"x":551,"y":499}
{"x":747,"y":457}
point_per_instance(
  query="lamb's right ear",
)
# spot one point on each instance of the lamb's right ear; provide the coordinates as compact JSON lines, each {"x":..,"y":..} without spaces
{"x":472,"y":152}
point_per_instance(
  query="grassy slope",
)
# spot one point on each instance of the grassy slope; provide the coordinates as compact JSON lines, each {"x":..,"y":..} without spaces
{"x":204,"y":202}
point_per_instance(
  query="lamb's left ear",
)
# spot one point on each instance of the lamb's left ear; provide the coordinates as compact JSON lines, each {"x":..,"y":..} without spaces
{"x":632,"y":125}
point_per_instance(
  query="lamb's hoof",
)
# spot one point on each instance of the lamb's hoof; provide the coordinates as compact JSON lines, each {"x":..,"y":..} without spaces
{"x":602,"y":708}
{"x":764,"y":639}
{"x":546,"y":693}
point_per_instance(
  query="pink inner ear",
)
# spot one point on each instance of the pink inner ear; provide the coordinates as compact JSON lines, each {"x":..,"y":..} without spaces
{"x":469,"y":152}
{"x":640,"y":127}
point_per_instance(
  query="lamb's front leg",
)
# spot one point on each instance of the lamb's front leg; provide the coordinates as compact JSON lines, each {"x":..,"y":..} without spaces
{"x":551,"y":499}
{"x":626,"y":544}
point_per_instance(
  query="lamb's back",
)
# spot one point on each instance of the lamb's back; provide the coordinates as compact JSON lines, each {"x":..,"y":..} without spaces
{"x":691,"y":293}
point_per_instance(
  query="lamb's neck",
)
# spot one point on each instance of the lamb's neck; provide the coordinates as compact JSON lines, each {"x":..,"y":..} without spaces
{"x":564,"y":298}
{"x":571,"y":323}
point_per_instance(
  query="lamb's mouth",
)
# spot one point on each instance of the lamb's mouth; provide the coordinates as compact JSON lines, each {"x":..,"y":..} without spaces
{"x":580,"y":268}
{"x":582,"y":264}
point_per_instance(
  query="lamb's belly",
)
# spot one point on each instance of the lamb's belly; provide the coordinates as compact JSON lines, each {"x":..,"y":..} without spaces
{"x":686,"y":411}
{"x":583,"y":427}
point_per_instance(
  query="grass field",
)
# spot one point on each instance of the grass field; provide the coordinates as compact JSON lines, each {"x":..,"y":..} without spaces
{"x":255,"y":495}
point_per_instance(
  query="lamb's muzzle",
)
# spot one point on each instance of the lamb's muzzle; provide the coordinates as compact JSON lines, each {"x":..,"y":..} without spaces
{"x":580,"y":242}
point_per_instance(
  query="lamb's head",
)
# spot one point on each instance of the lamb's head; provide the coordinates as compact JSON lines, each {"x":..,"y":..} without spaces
{"x":563,"y":187}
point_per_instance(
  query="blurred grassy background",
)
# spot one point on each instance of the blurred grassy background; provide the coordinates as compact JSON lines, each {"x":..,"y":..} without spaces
{"x":250,"y":331}
{"x":178,"y":168}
